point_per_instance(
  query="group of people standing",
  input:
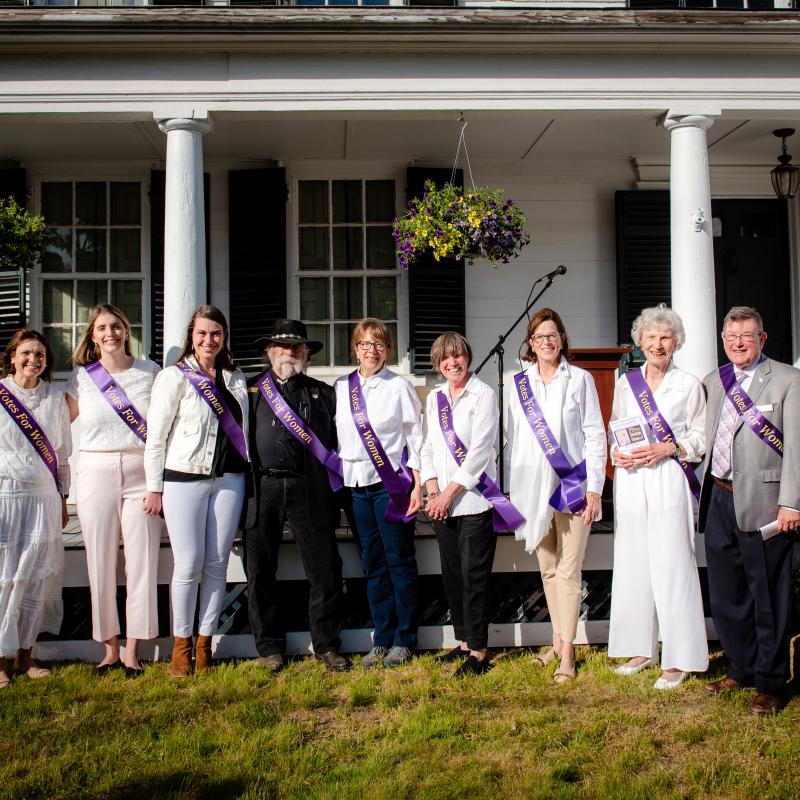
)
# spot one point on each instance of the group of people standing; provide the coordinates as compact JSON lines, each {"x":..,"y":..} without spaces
{"x":197,"y":444}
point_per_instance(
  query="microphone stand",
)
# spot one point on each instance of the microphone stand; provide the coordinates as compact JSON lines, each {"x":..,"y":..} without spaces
{"x":499,"y":351}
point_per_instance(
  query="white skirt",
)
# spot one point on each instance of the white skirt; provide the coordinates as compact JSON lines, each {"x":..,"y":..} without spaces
{"x":31,"y":563}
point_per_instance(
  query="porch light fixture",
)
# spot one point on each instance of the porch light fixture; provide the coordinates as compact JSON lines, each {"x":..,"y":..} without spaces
{"x":785,"y":177}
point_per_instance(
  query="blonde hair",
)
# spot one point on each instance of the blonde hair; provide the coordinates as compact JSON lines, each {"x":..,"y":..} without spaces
{"x":375,"y":327}
{"x":450,"y":343}
{"x":86,"y":352}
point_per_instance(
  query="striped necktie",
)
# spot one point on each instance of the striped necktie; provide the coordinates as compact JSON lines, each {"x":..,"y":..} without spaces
{"x":722,"y":456}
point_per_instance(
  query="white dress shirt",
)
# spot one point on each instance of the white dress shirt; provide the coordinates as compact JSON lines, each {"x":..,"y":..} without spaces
{"x":395,"y":415}
{"x":474,"y":418}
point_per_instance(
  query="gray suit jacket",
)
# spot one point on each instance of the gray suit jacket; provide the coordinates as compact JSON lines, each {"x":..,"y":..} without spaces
{"x":762,"y":480}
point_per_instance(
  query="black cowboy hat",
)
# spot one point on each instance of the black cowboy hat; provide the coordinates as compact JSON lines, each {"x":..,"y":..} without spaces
{"x":289,"y":332}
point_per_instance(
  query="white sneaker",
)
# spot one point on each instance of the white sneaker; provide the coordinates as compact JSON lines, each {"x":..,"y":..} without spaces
{"x":627,"y":670}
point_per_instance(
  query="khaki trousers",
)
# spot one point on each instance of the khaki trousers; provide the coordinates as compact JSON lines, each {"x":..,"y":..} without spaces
{"x":560,"y":556}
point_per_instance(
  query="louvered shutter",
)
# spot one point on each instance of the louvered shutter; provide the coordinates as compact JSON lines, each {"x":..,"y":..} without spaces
{"x":12,"y":283}
{"x":643,"y":255}
{"x":257,"y":259}
{"x":158,"y":183}
{"x":437,"y":293}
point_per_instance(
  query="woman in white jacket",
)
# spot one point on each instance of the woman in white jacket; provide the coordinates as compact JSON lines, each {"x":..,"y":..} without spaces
{"x":555,"y":408}
{"x":196,"y":460}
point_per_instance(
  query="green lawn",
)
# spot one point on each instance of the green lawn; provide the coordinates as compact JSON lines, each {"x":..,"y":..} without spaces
{"x":409,"y":733}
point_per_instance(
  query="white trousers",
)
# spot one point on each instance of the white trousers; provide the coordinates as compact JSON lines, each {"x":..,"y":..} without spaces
{"x":110,"y":494}
{"x":655,"y":589}
{"x":201,"y":517}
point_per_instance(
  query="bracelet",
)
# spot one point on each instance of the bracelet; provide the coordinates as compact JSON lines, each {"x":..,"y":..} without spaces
{"x":431,"y":495}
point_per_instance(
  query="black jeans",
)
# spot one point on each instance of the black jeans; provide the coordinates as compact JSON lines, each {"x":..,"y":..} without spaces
{"x":283,"y":502}
{"x":466,"y":548}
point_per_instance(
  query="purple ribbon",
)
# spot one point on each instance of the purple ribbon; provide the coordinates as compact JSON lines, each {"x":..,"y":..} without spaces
{"x":205,"y":388}
{"x":31,"y":430}
{"x":117,"y":399}
{"x":756,"y":421}
{"x":569,"y":494}
{"x":659,"y":426}
{"x":398,"y":484}
{"x":504,"y":515}
{"x":294,"y":423}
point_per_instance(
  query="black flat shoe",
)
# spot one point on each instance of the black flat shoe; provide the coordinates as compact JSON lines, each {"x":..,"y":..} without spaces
{"x":472,"y":667}
{"x":451,"y":656}
{"x":132,"y":672}
{"x":102,"y":669}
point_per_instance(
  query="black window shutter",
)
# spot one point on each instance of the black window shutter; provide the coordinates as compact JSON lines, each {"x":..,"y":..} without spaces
{"x":437,"y":294}
{"x":158,"y":178}
{"x":257,"y":259}
{"x":12,"y":282}
{"x":643,"y":255}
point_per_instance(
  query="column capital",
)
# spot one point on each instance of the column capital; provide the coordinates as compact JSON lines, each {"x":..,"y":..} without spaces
{"x":677,"y":118}
{"x":200,"y":125}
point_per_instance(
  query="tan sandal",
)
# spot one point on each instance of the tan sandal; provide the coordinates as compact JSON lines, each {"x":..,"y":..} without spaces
{"x":563,"y":675}
{"x":543,"y":659}
{"x":36,"y":672}
{"x":5,"y":677}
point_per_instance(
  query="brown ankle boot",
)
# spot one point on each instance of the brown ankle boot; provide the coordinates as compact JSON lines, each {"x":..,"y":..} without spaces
{"x":202,"y":654}
{"x":181,"y":657}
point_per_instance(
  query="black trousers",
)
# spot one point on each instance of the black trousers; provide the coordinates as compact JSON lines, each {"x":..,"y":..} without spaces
{"x":283,"y":502}
{"x":749,"y":583}
{"x":466,"y":547}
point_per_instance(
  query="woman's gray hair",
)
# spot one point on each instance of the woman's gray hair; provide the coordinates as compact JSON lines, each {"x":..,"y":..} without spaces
{"x":659,"y":316}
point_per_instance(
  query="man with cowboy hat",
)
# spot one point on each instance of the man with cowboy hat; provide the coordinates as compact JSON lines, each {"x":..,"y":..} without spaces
{"x":291,"y":429}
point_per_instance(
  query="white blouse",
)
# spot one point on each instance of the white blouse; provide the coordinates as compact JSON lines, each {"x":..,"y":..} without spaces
{"x":475,"y":418}
{"x":101,"y":428}
{"x":395,"y":415}
{"x":18,"y":460}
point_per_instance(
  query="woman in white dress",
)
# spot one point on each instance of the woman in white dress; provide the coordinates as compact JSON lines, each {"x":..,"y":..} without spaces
{"x":33,"y":505}
{"x":655,"y":589}
{"x":567,"y":398}
{"x":111,"y":483}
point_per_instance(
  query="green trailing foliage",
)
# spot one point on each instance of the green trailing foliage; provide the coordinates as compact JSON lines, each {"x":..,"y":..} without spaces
{"x":21,"y":236}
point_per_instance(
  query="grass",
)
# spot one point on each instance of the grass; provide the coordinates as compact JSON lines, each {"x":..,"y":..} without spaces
{"x":239,"y":732}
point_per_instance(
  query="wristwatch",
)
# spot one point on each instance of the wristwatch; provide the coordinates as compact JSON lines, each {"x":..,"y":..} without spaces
{"x":677,"y":453}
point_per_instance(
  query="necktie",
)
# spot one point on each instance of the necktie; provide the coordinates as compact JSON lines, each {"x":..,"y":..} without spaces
{"x":722,"y":456}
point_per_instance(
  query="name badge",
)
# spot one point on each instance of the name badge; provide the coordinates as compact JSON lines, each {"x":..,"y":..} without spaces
{"x":765,"y":407}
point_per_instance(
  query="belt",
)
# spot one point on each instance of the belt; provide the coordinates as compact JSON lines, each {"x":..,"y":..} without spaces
{"x":723,"y":484}
{"x":280,"y":473}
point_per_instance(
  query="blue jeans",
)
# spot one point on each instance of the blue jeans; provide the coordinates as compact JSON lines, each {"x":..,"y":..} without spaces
{"x":390,"y":564}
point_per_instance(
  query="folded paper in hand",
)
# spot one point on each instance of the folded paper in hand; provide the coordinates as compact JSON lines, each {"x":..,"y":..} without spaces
{"x":628,"y":433}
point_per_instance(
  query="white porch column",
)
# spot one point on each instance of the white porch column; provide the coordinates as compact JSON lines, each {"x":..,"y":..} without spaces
{"x":692,"y":251}
{"x":184,"y":228}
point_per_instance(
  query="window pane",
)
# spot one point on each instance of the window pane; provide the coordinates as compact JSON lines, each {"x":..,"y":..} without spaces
{"x":126,"y":206}
{"x":382,"y":297}
{"x":348,"y":300}
{"x":57,"y":256}
{"x":136,"y":340}
{"x":347,"y":201}
{"x":127,"y":297}
{"x":56,"y":301}
{"x":313,"y":201}
{"x":342,"y":354}
{"x":392,"y":326}
{"x":57,"y":203}
{"x":313,"y":248}
{"x":380,"y":201}
{"x":60,"y":340}
{"x":90,"y":203}
{"x":125,"y":255}
{"x":319,"y":333}
{"x":380,"y":248}
{"x":90,"y":253}
{"x":314,"y":298}
{"x":89,"y":294}
{"x":347,"y":248}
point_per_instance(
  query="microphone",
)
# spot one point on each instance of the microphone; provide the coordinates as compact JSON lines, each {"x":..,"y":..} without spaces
{"x":559,"y":270}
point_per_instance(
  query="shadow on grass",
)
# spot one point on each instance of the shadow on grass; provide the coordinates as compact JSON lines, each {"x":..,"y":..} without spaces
{"x":181,"y":783}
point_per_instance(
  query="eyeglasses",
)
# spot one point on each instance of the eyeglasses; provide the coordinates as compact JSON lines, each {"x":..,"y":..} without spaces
{"x":364,"y":346}
{"x":545,"y":337}
{"x":740,"y":337}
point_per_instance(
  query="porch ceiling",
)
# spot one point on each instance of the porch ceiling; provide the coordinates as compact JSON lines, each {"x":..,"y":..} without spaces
{"x":501,"y":136}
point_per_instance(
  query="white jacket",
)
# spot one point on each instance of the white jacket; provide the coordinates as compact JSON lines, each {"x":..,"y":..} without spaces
{"x":181,"y":428}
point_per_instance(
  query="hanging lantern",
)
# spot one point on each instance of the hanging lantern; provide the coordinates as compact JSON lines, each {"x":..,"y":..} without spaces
{"x":785,"y":177}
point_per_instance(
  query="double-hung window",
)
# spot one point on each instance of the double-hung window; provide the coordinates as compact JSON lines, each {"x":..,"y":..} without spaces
{"x":93,"y":255}
{"x":346,"y":262}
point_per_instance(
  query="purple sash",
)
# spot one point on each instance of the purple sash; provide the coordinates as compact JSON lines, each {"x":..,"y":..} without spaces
{"x":218,"y":406}
{"x":569,"y":494}
{"x":505,"y":516}
{"x":398,"y":484}
{"x":659,"y":426}
{"x":117,"y":399}
{"x":31,"y":430}
{"x":755,"y":420}
{"x":294,"y":423}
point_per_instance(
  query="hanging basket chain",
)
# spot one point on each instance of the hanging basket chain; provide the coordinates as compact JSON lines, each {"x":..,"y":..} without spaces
{"x":462,"y":142}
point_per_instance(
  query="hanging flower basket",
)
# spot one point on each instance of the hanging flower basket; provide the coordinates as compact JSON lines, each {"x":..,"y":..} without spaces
{"x":21,"y":236}
{"x":453,"y":223}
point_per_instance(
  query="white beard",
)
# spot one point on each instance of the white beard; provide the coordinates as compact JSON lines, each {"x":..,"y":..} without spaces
{"x":287,"y":367}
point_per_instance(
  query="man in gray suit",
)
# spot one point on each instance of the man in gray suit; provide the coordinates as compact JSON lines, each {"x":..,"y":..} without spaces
{"x":752,"y":478}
